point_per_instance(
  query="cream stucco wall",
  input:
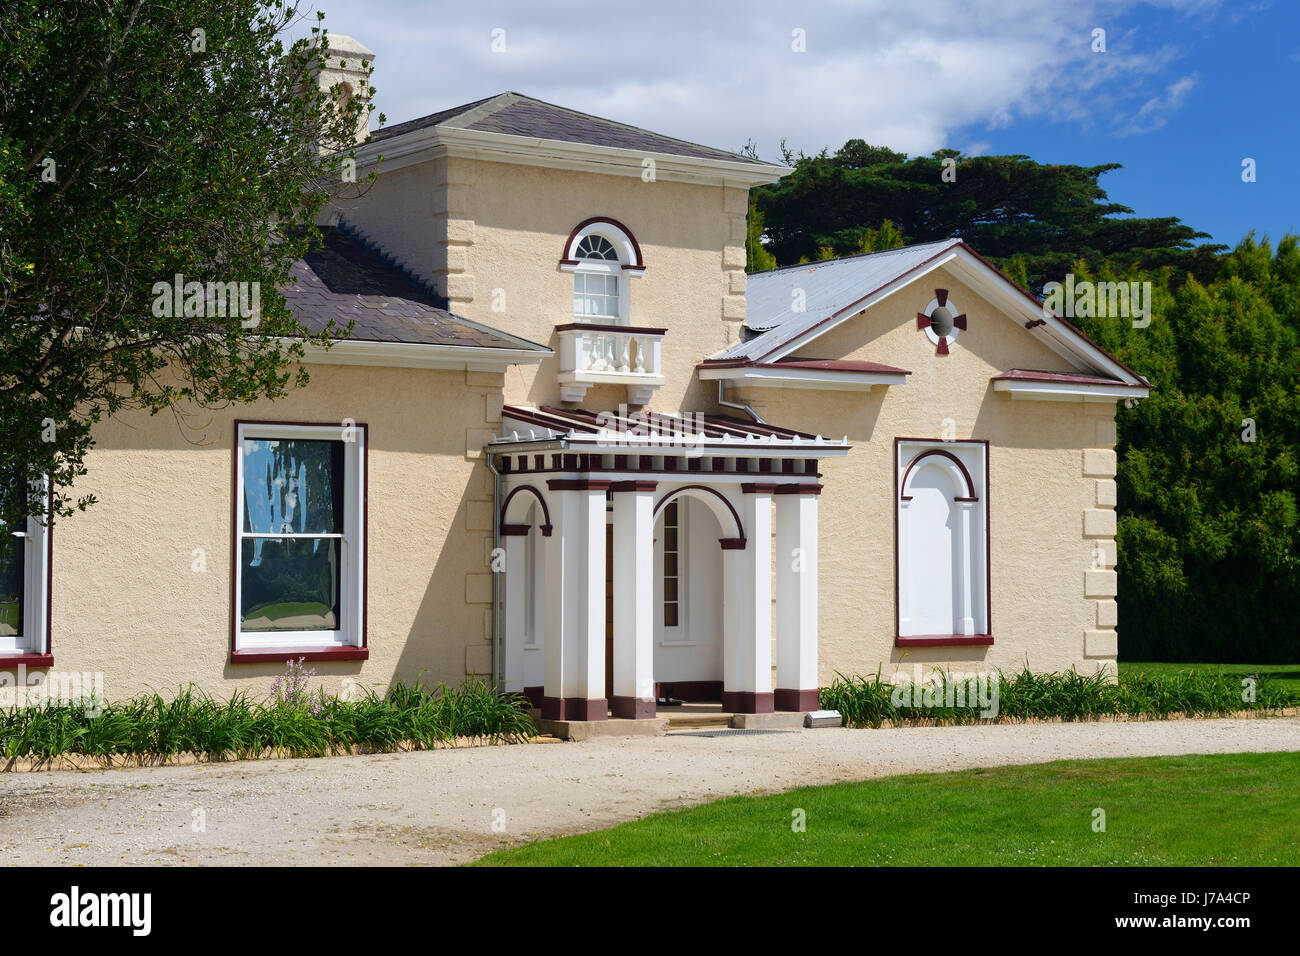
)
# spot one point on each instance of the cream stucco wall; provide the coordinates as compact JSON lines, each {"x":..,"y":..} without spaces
{"x":491,"y":235}
{"x":1050,"y":466}
{"x":128,"y":602}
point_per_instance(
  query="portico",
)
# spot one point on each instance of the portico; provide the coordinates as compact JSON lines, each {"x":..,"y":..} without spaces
{"x":654,"y":495}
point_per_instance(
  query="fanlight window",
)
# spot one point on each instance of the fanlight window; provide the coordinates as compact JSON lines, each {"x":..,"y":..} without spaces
{"x":596,"y":247}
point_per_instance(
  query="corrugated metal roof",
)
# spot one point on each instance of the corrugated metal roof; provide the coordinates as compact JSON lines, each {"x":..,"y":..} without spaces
{"x":827,"y":287}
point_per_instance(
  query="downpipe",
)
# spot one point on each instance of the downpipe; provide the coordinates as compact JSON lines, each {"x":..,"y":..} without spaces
{"x":498,"y":682}
{"x":738,"y":406}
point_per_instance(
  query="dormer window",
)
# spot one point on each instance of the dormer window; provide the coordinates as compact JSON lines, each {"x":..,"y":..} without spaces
{"x":601,"y":253}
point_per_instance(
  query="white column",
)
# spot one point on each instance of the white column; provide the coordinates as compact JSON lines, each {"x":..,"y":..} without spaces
{"x":796,"y":598}
{"x":965,"y":615}
{"x":515,"y":581}
{"x":633,"y":600}
{"x":575,"y":620}
{"x":904,"y":563}
{"x":747,"y":619}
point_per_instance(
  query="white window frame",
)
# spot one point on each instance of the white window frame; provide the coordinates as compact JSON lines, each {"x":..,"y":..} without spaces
{"x":972,"y":593}
{"x":680,"y":632}
{"x":627,"y":265}
{"x":352,"y":545}
{"x":35,"y":638}
{"x":606,"y":268}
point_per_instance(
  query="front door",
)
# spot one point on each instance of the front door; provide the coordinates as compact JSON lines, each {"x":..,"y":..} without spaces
{"x":609,"y":611}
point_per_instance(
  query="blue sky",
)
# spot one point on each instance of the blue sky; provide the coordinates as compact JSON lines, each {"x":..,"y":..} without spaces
{"x":1185,"y":90}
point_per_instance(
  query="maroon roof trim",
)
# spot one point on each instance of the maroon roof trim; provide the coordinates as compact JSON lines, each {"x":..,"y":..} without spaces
{"x":835,"y":365}
{"x":1069,"y":378}
{"x":584,"y":420}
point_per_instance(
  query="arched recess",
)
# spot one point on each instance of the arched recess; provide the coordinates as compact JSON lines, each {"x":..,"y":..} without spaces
{"x":629,"y":250}
{"x":517,"y":504}
{"x":942,"y":547}
{"x":723,"y":510}
{"x":965,"y":488}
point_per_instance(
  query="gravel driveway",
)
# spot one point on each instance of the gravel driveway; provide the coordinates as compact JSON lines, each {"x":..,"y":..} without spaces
{"x":439,"y":807}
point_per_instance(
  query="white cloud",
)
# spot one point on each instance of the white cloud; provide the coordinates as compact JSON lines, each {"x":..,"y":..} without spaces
{"x":914,"y":77}
{"x":1155,"y":111}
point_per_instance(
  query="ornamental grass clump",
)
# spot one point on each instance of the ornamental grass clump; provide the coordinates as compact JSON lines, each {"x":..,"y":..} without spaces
{"x":872,"y":701}
{"x":294,"y":720}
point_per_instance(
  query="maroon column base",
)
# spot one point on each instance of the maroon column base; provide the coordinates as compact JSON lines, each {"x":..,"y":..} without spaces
{"x":574,"y":708}
{"x":535,"y":695}
{"x":800,"y":700}
{"x":632,"y":708}
{"x":746,"y":702}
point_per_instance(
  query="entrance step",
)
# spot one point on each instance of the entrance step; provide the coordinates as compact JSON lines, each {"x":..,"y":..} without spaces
{"x":695,"y":721}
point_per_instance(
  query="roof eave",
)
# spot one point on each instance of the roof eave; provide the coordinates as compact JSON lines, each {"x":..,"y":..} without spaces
{"x":423,"y":145}
{"x":824,"y":379}
{"x":419,"y":355}
{"x":1068,"y":391}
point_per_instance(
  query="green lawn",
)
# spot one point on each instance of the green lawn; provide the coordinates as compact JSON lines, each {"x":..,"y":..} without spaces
{"x":1284,"y":675}
{"x":1222,"y":810}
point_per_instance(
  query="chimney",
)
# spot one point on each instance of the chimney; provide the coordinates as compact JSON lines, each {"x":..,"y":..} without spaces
{"x":349,"y":63}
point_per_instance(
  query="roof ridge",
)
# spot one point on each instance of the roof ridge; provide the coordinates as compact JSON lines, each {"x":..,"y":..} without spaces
{"x":857,"y":255}
{"x":639,"y":129}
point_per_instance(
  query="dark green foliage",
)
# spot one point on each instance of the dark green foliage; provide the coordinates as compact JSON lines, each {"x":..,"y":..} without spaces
{"x":1045,"y":216}
{"x":152,"y":727}
{"x":866,"y":701}
{"x":1209,"y":535}
{"x":133,"y":150}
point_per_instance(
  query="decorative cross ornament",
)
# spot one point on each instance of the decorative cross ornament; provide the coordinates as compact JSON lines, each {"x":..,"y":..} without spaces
{"x":941,"y":321}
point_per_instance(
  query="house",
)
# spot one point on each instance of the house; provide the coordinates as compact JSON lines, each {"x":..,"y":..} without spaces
{"x":570,"y":443}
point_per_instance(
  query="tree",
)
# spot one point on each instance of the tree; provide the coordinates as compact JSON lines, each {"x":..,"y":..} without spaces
{"x":1046,"y":216}
{"x":144,"y":145}
{"x":1209,"y":480}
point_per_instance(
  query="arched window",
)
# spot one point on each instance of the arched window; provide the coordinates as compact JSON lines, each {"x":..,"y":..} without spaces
{"x":602,"y":255}
{"x":942,"y":541}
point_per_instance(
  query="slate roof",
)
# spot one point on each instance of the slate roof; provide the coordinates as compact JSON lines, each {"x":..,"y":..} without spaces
{"x":518,"y":115}
{"x":346,"y":280}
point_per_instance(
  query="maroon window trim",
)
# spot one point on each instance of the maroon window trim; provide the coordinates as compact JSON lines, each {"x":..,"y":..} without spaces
{"x":546,"y":512}
{"x":740,"y":528}
{"x":260,"y":655}
{"x":282,"y":655}
{"x":946,"y":640}
{"x":636,"y":246}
